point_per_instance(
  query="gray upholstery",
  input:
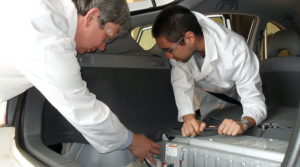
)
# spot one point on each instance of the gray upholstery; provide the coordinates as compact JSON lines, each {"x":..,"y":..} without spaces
{"x":87,"y":156}
{"x":281,"y":74}
{"x":286,"y":39}
{"x":281,"y":64}
{"x":281,"y":77}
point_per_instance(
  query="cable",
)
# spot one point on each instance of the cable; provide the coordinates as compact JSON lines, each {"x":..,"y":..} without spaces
{"x":147,"y":162}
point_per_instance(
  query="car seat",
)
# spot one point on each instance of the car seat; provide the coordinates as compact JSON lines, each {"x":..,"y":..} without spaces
{"x":281,"y":74}
{"x":281,"y":77}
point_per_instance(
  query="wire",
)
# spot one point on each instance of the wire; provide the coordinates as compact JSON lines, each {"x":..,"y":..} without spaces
{"x":147,"y":162}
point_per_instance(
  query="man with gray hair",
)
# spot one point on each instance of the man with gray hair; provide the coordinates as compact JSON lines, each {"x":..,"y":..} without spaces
{"x":49,"y":38}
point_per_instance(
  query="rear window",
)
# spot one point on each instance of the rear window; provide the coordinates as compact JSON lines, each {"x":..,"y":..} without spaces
{"x":271,"y":29}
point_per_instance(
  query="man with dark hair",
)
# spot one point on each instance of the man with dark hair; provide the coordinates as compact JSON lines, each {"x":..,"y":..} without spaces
{"x":48,"y":35}
{"x":208,"y":59}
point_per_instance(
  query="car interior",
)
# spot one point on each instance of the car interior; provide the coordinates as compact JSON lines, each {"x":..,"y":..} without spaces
{"x":135,"y":84}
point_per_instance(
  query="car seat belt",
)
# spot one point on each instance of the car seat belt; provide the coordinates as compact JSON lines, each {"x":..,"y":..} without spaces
{"x":199,"y":61}
{"x":225,"y":98}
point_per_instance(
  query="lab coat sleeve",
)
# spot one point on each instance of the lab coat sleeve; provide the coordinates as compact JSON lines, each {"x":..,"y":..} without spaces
{"x":249,"y":85}
{"x":55,"y":72}
{"x":49,"y":62}
{"x":183,"y":86}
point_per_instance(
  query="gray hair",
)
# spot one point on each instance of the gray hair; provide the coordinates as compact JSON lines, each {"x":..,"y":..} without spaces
{"x":115,"y":11}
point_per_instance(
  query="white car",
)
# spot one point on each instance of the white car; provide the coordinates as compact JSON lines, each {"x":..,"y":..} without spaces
{"x":133,"y":78}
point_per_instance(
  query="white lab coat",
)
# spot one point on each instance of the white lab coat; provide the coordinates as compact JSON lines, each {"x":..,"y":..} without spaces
{"x":38,"y":49}
{"x":229,"y":66}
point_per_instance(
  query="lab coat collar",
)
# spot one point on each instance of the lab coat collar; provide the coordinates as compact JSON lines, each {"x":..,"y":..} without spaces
{"x":71,"y":12}
{"x":211,"y":56}
{"x":210,"y":60}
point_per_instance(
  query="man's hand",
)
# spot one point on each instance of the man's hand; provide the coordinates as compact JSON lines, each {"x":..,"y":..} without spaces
{"x":192,"y":126}
{"x":142,"y":147}
{"x":231,"y":127}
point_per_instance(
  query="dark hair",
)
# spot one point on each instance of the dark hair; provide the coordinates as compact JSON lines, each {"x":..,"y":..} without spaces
{"x":173,"y":22}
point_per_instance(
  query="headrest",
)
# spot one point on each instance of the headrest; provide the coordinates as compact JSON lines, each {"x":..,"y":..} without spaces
{"x":284,"y":40}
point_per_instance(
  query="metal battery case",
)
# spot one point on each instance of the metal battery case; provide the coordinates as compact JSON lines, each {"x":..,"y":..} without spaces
{"x":223,"y":151}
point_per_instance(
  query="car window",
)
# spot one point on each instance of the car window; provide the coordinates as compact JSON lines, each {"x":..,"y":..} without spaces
{"x":220,"y":19}
{"x":142,"y":35}
{"x":135,"y":5}
{"x":270,"y":30}
{"x":242,"y":24}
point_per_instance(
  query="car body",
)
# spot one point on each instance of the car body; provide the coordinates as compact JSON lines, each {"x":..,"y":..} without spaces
{"x":133,"y":78}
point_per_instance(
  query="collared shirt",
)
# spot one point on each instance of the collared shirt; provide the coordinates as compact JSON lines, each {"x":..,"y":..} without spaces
{"x":38,"y":49}
{"x":229,"y":66}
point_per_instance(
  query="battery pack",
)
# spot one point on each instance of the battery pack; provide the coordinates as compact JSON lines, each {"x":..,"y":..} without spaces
{"x":223,"y":151}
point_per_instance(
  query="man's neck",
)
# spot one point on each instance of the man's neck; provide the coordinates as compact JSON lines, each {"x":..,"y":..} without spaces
{"x":200,"y":44}
{"x":202,"y":53}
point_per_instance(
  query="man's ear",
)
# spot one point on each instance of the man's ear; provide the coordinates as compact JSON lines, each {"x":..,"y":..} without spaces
{"x":92,"y":14}
{"x":189,"y":37}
